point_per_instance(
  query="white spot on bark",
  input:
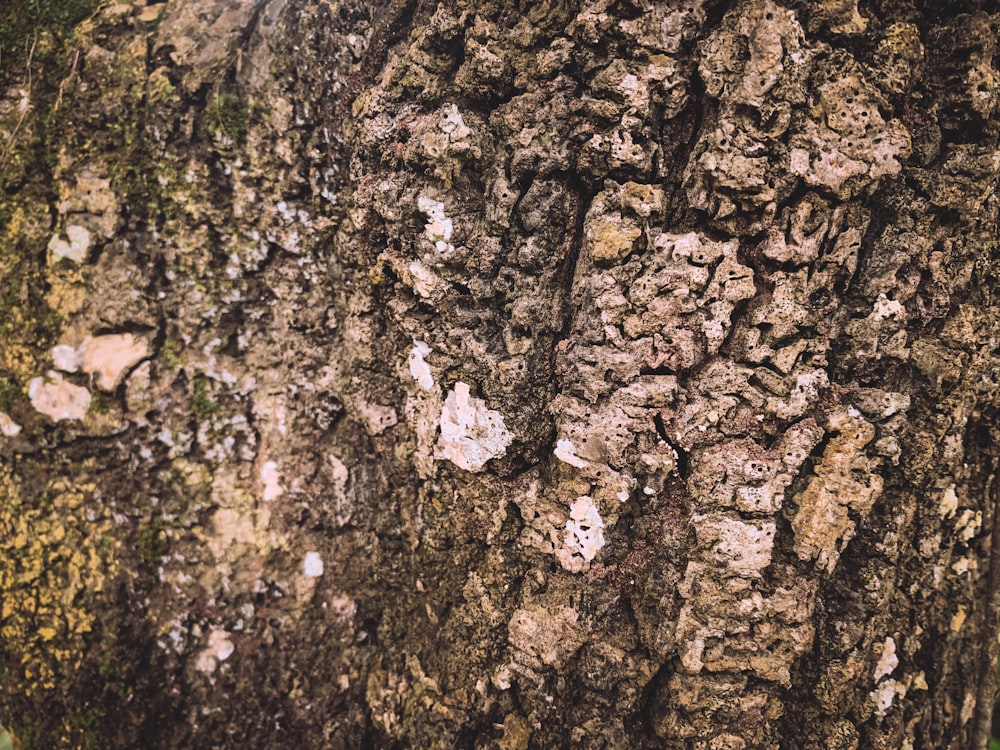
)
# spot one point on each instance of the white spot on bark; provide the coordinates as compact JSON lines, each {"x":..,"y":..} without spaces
{"x":949,"y":503}
{"x":8,"y":427}
{"x":566,"y":451}
{"x":963,"y":565}
{"x":968,"y":524}
{"x":419,"y":369}
{"x":886,"y":308}
{"x":75,"y":248}
{"x":424,"y":280}
{"x":888,"y":661}
{"x":217,"y":649}
{"x":884,"y":695}
{"x":272,"y":481}
{"x":453,"y":124}
{"x":968,"y":707}
{"x":111,"y":356}
{"x":471,"y":434}
{"x":58,"y":399}
{"x":585,"y":528}
{"x":439,"y":228}
{"x":312,"y":565}
{"x":65,"y":358}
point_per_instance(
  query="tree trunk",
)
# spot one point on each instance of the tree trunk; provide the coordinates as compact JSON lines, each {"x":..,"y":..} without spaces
{"x":573,"y":373}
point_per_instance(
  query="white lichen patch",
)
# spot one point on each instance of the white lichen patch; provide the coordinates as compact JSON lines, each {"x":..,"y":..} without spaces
{"x":968,"y":524}
{"x":471,"y":433}
{"x":886,"y":308}
{"x":419,"y":368}
{"x":111,"y":356}
{"x":218,"y":648}
{"x":58,"y":399}
{"x":453,"y":124}
{"x":75,"y":247}
{"x":949,"y":503}
{"x":8,"y":427}
{"x":312,"y":565}
{"x":884,"y":695}
{"x":565,"y":451}
{"x":65,"y":358}
{"x":888,"y":661}
{"x":584,"y":529}
{"x":423,"y":280}
{"x":439,"y":227}
{"x":271,"y":479}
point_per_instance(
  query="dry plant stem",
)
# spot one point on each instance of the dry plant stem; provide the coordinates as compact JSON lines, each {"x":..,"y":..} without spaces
{"x":24,"y":111}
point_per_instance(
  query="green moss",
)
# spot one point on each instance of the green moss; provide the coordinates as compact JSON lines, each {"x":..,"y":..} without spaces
{"x":24,"y":23}
{"x":171,"y":354}
{"x":201,"y":404}
{"x":9,"y":393}
{"x":99,"y":403}
{"x":153,"y":541}
{"x":226,"y":120}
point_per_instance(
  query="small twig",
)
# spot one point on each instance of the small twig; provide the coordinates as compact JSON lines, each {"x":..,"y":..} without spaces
{"x":24,"y":113}
{"x":62,"y":83}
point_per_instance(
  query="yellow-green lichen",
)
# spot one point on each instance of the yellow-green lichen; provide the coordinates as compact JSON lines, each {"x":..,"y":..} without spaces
{"x":56,"y":557}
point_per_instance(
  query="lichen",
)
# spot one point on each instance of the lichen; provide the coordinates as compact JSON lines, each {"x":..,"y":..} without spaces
{"x":111,"y":356}
{"x":75,"y":247}
{"x":312,"y":565}
{"x":584,"y":533}
{"x":8,"y":427}
{"x":57,"y":398}
{"x":471,"y":433}
{"x":439,"y":228}
{"x":419,"y":368}
{"x":57,"y":556}
{"x":218,"y":647}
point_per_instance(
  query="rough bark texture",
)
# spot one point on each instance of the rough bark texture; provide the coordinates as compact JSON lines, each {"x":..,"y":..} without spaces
{"x":577,"y":373}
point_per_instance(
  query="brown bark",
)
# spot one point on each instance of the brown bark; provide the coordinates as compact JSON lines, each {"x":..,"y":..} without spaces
{"x":439,"y":375}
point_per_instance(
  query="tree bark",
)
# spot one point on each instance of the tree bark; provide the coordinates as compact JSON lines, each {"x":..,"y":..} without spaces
{"x":591,"y":373}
